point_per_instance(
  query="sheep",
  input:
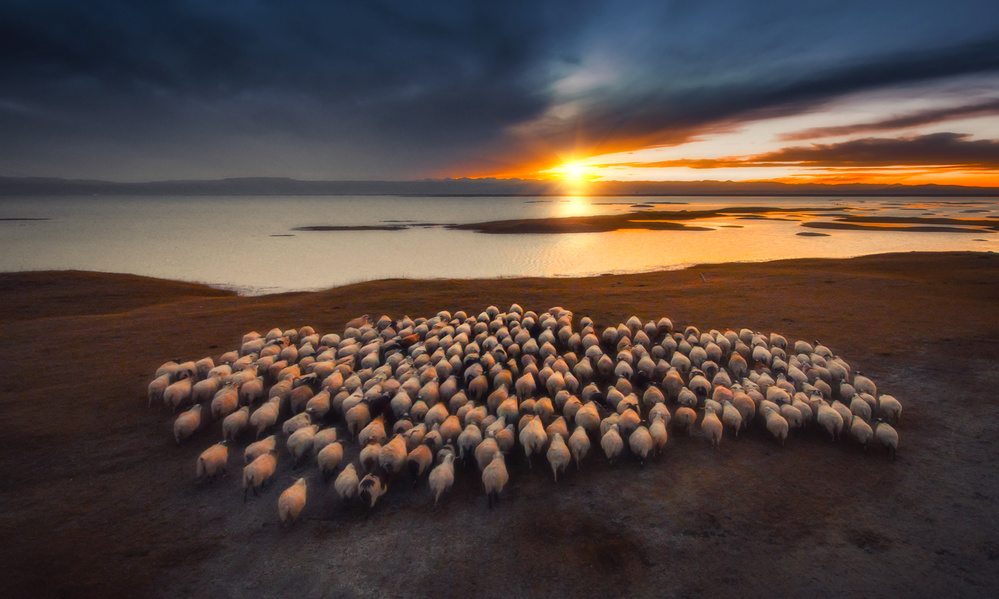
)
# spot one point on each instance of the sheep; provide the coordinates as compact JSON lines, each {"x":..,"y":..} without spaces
{"x":831,"y":420}
{"x":235,"y":423}
{"x":251,"y":391}
{"x":859,"y":407}
{"x":374,"y":431}
{"x":187,"y":424}
{"x":450,"y":429}
{"x":533,"y":439}
{"x":442,"y":477}
{"x":776,"y":425}
{"x":419,"y":461}
{"x":346,"y":483}
{"x":468,"y":440}
{"x":558,"y":455}
{"x":684,"y":419}
{"x":258,"y":472}
{"x":612,"y":443}
{"x":887,"y":437}
{"x":300,"y":442}
{"x":265,"y":416}
{"x":318,"y":405}
{"x":225,"y":402}
{"x":212,"y":461}
{"x":294,"y":423}
{"x":393,"y":455}
{"x":795,"y":419}
{"x":864,"y":385}
{"x":369,"y":456}
{"x":178,"y":394}
{"x":323,"y":438}
{"x":657,"y":430}
{"x":641,"y":443}
{"x":371,"y":487}
{"x":167,"y":368}
{"x":861,"y":431}
{"x":328,"y":458}
{"x":890,"y":407}
{"x":711,"y":426}
{"x":587,"y":417}
{"x":579,"y":445}
{"x":157,"y":387}
{"x":255,"y":450}
{"x":494,"y":478}
{"x":731,"y":417}
{"x":291,"y":502}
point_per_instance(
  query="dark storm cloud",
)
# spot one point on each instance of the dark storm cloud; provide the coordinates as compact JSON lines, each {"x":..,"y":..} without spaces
{"x":952,"y":149}
{"x":926,"y":117}
{"x":397,"y":90}
{"x":933,"y":150}
{"x":674,"y":117}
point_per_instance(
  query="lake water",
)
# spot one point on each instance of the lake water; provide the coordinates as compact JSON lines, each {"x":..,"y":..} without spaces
{"x":249,"y":243}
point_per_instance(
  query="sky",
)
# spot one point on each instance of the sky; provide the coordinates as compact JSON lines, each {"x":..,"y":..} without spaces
{"x":819,"y":91}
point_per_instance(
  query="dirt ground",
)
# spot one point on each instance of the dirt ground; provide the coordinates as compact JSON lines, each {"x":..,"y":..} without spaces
{"x":96,"y":499}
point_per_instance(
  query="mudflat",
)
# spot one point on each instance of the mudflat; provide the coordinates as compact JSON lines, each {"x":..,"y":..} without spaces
{"x":97,"y":500}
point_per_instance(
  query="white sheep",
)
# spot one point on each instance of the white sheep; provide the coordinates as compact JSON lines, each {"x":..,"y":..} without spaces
{"x":157,"y":387}
{"x":328,"y":458}
{"x":225,"y":402}
{"x":212,"y":461}
{"x":442,"y":477}
{"x":657,"y":430}
{"x":469,"y":440}
{"x":187,"y":424}
{"x":294,"y":423}
{"x":533,"y":438}
{"x":887,"y":437}
{"x":731,"y":417}
{"x":684,"y":419}
{"x":831,"y":420}
{"x":558,"y":455}
{"x":579,"y":445}
{"x":393,"y":455}
{"x":299,"y":443}
{"x":323,"y":438}
{"x":346,"y":483}
{"x":258,"y":472}
{"x":494,"y":478}
{"x":864,"y":385}
{"x":890,"y":407}
{"x":292,"y":502}
{"x":861,"y":431}
{"x":265,"y":416}
{"x":257,"y":449}
{"x":419,"y":461}
{"x":641,"y":443}
{"x":611,"y":443}
{"x":711,"y":426}
{"x":178,"y":394}
{"x":235,"y":423}
{"x":776,"y":425}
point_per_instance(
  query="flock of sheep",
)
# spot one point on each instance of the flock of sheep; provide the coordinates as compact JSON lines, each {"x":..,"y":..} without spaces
{"x":419,"y":395}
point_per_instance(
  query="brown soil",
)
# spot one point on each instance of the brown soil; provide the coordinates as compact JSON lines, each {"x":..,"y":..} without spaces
{"x":97,"y":501}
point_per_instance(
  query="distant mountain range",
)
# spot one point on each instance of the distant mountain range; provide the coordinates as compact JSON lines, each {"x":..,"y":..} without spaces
{"x":39,"y":186}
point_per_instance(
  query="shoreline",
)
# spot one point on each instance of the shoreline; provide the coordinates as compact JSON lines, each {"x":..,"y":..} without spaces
{"x":211,"y":289}
{"x":97,"y":499}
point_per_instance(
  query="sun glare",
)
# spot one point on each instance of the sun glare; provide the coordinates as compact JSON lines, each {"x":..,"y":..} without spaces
{"x":574,"y":171}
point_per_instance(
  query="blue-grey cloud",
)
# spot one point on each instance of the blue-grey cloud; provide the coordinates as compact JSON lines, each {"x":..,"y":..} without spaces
{"x":398,"y":90}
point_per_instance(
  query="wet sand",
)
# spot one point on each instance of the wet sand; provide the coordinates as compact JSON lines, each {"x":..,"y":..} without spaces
{"x":97,"y":501}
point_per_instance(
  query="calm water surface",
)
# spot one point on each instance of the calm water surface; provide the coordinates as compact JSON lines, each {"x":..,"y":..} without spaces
{"x":248,"y":243}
